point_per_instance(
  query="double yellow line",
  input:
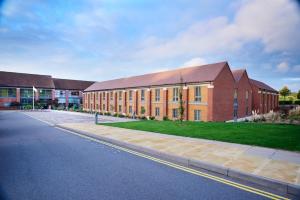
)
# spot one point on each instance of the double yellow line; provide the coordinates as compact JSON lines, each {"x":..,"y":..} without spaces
{"x":186,"y":169}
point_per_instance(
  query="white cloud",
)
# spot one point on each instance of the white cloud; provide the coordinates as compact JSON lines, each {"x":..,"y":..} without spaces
{"x":282,"y":67}
{"x":292,"y":79}
{"x":274,"y":23}
{"x":195,"y":62}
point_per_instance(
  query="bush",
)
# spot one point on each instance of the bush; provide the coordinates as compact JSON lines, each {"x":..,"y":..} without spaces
{"x":121,"y":115}
{"x":297,"y":102}
{"x":115,"y":115}
{"x":143,"y":118}
{"x":285,"y":102}
{"x":165,"y":118}
{"x":152,"y":118}
{"x":28,"y":107}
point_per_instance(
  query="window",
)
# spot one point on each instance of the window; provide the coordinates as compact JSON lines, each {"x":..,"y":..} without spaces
{"x":175,"y":112}
{"x":27,"y":93}
{"x":103,"y":96}
{"x":103,"y":106}
{"x":142,"y":95}
{"x":157,"y":111}
{"x":111,"y":96}
{"x":45,"y":94}
{"x":97,"y":96}
{"x":120,"y":108}
{"x":235,"y":94}
{"x":120,"y":95}
{"x":7,"y":92}
{"x":130,"y":95}
{"x":130,"y":109}
{"x":247,"y":95}
{"x":97,"y":106}
{"x":175,"y":94}
{"x":75,"y":93}
{"x":157,"y":94}
{"x":197,"y":97}
{"x":197,"y":115}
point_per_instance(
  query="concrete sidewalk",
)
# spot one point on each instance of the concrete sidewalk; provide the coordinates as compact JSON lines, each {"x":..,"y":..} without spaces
{"x":270,"y":163}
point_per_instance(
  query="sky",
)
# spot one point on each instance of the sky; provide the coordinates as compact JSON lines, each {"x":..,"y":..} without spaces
{"x":105,"y":39}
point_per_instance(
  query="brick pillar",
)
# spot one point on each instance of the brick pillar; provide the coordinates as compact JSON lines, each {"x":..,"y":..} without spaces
{"x":107,"y":101}
{"x":37,"y":95}
{"x":124,"y":104}
{"x":165,"y":102}
{"x":149,"y":103}
{"x":67,"y":97}
{"x":100,"y":101}
{"x":210,"y":95}
{"x":136,"y":102}
{"x":185,"y":97}
{"x":116,"y":102}
{"x":53,"y":94}
{"x":18,"y":95}
{"x":83,"y":100}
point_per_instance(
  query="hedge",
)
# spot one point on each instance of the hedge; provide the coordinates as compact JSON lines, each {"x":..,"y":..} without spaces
{"x":285,"y":102}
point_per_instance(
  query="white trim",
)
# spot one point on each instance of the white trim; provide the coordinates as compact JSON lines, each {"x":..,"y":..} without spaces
{"x":210,"y":86}
{"x":185,"y":87}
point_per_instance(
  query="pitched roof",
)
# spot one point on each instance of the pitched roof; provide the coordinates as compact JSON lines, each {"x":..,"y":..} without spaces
{"x":262,"y":85}
{"x":237,"y":74}
{"x":67,"y":84}
{"x":13,"y":79}
{"x":204,"y":73}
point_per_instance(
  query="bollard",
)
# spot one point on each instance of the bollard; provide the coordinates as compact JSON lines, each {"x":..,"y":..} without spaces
{"x":96,"y":118}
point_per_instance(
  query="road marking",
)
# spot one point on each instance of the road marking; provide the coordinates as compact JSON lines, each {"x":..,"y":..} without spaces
{"x":170,"y":164}
{"x":182,"y":168}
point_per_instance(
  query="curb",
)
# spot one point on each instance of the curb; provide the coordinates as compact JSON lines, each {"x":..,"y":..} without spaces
{"x":285,"y":188}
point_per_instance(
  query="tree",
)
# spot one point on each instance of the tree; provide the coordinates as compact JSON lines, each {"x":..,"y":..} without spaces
{"x":285,"y":91}
{"x":298,"y":95}
{"x":181,"y":102}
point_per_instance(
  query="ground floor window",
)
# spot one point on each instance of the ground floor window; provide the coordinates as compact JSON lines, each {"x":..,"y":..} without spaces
{"x":97,"y":106}
{"x":175,"y":113}
{"x":8,"y":92}
{"x":103,"y":106}
{"x":197,"y":115}
{"x":120,"y":108}
{"x":157,"y":111}
{"x":130,"y":109}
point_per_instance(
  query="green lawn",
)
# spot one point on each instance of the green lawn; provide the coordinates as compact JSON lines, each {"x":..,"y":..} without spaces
{"x":266,"y":135}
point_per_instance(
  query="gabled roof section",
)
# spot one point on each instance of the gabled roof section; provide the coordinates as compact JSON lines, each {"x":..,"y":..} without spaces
{"x":67,"y":84}
{"x":13,"y":79}
{"x":204,"y":73}
{"x":262,"y":85}
{"x":237,"y":74}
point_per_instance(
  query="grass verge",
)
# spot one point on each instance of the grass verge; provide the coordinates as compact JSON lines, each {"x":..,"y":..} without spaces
{"x":279,"y":136}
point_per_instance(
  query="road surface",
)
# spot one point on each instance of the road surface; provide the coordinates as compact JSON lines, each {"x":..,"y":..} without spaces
{"x":39,"y":161}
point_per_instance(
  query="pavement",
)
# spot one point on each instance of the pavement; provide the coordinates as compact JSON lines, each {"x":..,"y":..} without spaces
{"x":41,"y":161}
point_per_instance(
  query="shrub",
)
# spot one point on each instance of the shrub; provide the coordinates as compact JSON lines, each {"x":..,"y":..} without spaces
{"x":297,"y":102}
{"x":152,"y":118}
{"x":285,"y":102}
{"x":121,"y":115}
{"x":165,"y":118}
{"x":143,"y":118}
{"x":28,"y":107}
{"x":115,"y":115}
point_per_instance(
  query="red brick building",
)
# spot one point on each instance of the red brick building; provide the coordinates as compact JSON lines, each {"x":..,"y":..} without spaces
{"x":210,"y":93}
{"x":16,"y":90}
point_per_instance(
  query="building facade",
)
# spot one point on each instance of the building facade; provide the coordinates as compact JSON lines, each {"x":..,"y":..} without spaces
{"x":208,"y":93}
{"x":16,"y":90}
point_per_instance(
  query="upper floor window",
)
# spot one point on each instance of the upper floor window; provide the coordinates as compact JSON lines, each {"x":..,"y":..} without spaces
{"x":111,"y":95}
{"x":235,"y":94}
{"x":247,"y":95}
{"x":130,"y":95}
{"x":120,"y":108}
{"x":197,"y":94}
{"x":142,"y":95}
{"x":175,"y":94}
{"x":74,"y":93}
{"x":120,"y":95}
{"x":157,"y":94}
{"x":104,"y":95}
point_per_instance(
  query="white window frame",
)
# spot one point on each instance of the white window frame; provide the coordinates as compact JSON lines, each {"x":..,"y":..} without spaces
{"x":157,"y":111}
{"x":197,"y":97}
{"x":142,"y":95}
{"x":157,"y":95}
{"x":197,"y":115}
{"x":175,"y":94}
{"x":175,"y":113}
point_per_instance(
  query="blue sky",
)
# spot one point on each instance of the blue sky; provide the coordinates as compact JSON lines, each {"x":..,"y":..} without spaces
{"x":100,"y":40}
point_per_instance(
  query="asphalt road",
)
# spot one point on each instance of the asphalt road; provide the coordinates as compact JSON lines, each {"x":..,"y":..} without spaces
{"x":38,"y":161}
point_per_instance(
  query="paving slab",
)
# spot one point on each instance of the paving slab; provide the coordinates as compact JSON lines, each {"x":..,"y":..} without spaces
{"x":265,"y":162}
